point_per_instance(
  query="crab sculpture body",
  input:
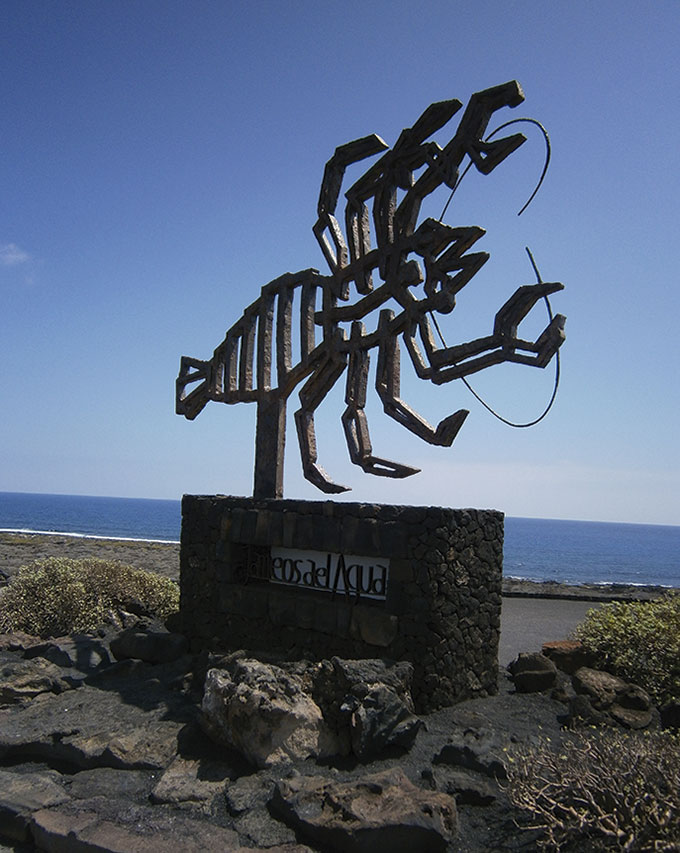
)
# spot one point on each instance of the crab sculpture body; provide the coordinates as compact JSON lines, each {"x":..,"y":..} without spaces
{"x":396,"y":283}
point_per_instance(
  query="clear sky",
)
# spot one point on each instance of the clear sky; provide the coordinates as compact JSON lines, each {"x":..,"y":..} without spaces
{"x":161,"y":161}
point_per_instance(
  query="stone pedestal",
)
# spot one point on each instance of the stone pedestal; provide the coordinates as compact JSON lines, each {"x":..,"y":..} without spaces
{"x":315,"y":579}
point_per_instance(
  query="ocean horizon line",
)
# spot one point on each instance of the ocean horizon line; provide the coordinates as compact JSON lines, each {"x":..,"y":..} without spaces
{"x":179,"y":501}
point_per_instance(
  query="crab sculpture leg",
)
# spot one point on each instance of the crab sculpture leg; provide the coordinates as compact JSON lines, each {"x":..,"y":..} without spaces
{"x":354,"y":418}
{"x":388,"y":388}
{"x":311,"y":395}
{"x":503,"y":345}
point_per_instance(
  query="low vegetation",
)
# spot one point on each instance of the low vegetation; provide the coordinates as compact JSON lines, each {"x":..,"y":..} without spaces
{"x":606,"y":789}
{"x":601,"y":790}
{"x":59,"y":596}
{"x":638,"y":641}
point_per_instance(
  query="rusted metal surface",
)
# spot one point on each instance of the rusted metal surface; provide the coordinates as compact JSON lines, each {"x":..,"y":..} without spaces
{"x":385,"y":255}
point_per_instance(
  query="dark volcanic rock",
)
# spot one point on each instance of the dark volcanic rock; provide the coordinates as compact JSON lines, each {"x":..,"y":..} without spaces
{"x":249,"y":792}
{"x":467,"y":788}
{"x":21,"y":794}
{"x":381,"y":811}
{"x":23,"y":680}
{"x":17,"y":641}
{"x":337,"y":679}
{"x":111,"y":783}
{"x":368,"y":703}
{"x":533,"y":672}
{"x":583,"y":713}
{"x":604,"y":698}
{"x":380,"y":719}
{"x":635,"y":698}
{"x":479,"y":750}
{"x":356,"y":676}
{"x":79,"y":651}
{"x":149,"y":645}
{"x":670,"y":715}
{"x":188,"y":781}
{"x":630,"y":718}
{"x":567,"y":655}
{"x":139,"y":829}
{"x":247,"y":799}
{"x":633,"y":708}
{"x":133,"y":727}
{"x":563,"y":691}
{"x":600,"y":687}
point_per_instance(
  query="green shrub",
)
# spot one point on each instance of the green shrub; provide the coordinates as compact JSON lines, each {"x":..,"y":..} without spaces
{"x":638,"y":641}
{"x":59,"y":596}
{"x":601,"y":790}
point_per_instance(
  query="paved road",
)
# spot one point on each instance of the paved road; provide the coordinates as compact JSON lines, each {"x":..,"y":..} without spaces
{"x":527,"y":623}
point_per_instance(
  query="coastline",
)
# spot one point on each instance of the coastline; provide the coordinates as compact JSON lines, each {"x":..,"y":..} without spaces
{"x":19,"y":549}
{"x":597,"y":592}
{"x":22,"y":547}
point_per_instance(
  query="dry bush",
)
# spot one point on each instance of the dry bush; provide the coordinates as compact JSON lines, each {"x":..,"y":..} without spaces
{"x":59,"y":596}
{"x":601,"y":790}
{"x":638,"y":641}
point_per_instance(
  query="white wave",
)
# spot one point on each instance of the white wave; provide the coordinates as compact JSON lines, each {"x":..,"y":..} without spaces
{"x":73,"y":535}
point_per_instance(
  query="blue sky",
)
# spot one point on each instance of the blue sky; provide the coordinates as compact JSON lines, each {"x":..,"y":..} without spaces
{"x":161,"y":161}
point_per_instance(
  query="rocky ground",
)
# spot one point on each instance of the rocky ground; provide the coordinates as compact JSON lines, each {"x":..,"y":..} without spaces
{"x":108,"y":743}
{"x":104,"y":755}
{"x":124,"y":742}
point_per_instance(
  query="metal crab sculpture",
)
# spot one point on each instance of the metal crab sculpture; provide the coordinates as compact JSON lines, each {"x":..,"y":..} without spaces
{"x":241,"y":368}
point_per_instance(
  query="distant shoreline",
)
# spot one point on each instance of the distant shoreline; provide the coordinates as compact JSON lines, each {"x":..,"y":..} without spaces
{"x":72,"y":535}
{"x":18,"y":548}
{"x":597,"y":592}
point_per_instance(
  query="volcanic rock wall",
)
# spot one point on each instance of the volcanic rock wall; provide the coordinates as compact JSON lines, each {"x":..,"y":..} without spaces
{"x":314,"y":579}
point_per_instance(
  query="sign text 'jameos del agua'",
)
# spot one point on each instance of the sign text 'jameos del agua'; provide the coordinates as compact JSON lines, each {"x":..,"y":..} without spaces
{"x":362,"y":577}
{"x":358,"y":580}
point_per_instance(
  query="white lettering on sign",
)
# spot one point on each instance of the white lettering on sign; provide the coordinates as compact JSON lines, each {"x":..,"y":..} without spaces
{"x":365,"y":577}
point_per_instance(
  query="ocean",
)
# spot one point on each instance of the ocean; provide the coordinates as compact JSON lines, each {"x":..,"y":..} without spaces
{"x":572,"y":552}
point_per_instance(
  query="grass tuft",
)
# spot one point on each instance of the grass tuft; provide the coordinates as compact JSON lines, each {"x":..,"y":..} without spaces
{"x":638,"y":641}
{"x":57,"y":596}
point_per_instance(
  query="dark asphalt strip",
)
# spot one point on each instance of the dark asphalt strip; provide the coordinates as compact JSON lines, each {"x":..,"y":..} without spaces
{"x":527,"y":623}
